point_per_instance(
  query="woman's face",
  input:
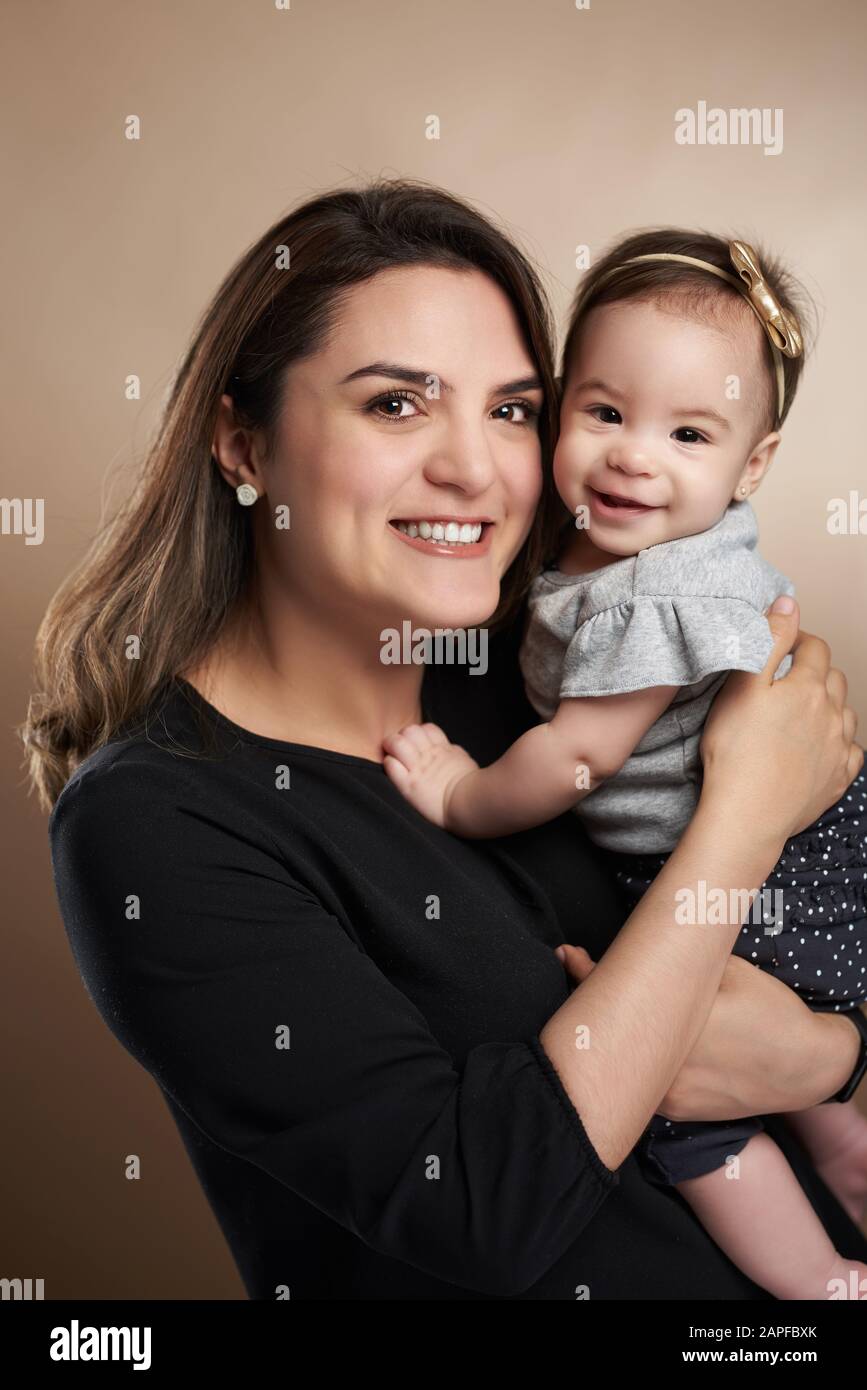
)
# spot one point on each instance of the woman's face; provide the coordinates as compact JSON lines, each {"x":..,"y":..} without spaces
{"x":419,"y":415}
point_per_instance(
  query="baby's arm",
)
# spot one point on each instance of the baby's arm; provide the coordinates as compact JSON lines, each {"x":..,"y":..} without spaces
{"x":545,"y":771}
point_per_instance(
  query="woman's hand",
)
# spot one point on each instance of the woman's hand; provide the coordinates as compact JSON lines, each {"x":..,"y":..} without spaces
{"x":782,"y":749}
{"x":762,"y":1050}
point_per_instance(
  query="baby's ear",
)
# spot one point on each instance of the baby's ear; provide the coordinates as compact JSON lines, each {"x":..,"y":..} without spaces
{"x":761,"y":458}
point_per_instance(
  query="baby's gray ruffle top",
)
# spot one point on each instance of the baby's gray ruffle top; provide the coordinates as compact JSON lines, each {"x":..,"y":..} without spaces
{"x":685,"y":612}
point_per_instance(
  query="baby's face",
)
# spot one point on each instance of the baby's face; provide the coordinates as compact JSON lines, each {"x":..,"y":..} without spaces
{"x":647,"y":416}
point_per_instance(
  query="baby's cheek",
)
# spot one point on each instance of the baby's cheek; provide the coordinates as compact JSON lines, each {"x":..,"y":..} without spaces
{"x":706,"y":499}
{"x":567,"y":471}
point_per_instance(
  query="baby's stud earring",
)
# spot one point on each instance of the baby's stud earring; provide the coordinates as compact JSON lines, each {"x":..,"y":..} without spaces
{"x":743,"y":492}
{"x":246,"y":494}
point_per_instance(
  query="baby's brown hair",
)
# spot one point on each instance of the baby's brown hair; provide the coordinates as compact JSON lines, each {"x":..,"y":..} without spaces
{"x":697,"y":291}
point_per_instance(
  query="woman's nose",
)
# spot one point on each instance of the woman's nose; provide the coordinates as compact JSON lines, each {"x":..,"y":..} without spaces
{"x":462,"y":458}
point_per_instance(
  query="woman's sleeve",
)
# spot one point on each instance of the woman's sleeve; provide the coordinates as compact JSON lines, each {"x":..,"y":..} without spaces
{"x":652,"y":639}
{"x":287,"y":1046}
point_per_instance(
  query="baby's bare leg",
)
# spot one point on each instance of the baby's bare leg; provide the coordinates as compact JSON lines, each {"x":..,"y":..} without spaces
{"x":766,"y":1226}
{"x":835,"y":1136}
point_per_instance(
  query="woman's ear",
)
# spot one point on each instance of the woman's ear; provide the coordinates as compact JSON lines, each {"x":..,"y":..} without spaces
{"x":233,"y":448}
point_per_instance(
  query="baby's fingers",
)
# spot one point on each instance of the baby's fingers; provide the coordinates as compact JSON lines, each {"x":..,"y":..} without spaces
{"x":436,"y":734}
{"x":403,"y":746}
{"x":576,"y":959}
{"x":398,"y":774}
{"x":419,"y":737}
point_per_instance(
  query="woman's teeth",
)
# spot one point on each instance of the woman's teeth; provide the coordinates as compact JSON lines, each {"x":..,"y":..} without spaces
{"x":448,"y":531}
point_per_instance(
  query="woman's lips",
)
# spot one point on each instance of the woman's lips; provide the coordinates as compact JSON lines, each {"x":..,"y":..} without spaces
{"x":611,"y":510}
{"x":447,"y":549}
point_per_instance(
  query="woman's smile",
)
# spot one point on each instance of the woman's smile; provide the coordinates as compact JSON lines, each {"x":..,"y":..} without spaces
{"x":446,"y":536}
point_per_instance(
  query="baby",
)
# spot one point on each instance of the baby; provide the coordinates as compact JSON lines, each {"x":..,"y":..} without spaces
{"x":680,"y":366}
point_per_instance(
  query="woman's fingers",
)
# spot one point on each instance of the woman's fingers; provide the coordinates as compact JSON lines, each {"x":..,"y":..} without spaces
{"x":838,"y":687}
{"x":811,"y":653}
{"x":795,"y":735}
{"x":855,"y":763}
{"x":784,"y":630}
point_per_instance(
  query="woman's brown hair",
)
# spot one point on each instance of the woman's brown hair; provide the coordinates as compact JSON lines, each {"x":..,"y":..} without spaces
{"x":698,"y":291}
{"x":169,"y":566}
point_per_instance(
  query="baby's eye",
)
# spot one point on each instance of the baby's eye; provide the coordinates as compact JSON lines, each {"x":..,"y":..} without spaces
{"x":600,"y":412}
{"x":697,"y":436}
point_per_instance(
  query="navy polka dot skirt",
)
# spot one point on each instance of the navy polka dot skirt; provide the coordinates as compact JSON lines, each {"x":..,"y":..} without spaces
{"x":808,"y":927}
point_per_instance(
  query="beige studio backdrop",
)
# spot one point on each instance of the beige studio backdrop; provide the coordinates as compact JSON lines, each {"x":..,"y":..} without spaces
{"x":558,"y":119}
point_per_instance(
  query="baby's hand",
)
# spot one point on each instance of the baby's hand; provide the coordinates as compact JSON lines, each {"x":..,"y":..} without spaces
{"x":425,"y":767}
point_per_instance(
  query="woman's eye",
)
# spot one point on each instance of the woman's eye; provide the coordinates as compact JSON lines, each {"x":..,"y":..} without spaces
{"x":383,"y":406}
{"x":697,"y":436}
{"x":526,"y":412}
{"x":601,"y":412}
{"x":392,"y":407}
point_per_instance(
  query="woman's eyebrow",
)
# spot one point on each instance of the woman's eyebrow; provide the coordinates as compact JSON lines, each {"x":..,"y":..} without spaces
{"x":421,"y":378}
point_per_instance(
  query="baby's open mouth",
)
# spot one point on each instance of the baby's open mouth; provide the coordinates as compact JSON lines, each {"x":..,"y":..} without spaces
{"x":612,"y":501}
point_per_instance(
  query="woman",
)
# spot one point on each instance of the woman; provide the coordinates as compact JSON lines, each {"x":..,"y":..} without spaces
{"x":358,"y":1021}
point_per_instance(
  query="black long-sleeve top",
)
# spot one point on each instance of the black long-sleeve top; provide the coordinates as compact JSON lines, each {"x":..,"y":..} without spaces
{"x":341,"y":1004}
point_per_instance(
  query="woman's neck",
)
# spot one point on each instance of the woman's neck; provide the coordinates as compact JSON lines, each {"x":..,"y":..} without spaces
{"x":307,"y":680}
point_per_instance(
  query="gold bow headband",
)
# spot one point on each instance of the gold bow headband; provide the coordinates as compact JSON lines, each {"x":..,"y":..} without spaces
{"x":780,"y":325}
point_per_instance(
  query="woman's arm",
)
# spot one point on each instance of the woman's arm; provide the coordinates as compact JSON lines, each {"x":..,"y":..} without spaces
{"x":624,"y":1034}
{"x":762,"y":1051}
{"x":259,"y":1013}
